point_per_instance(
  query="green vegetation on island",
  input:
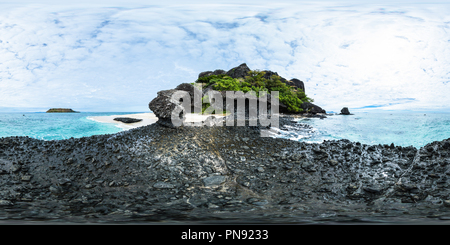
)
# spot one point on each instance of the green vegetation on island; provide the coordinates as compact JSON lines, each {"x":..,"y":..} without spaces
{"x":292,"y":97}
{"x":61,"y":110}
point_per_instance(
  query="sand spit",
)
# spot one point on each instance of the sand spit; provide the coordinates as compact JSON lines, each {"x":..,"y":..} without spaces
{"x":147,"y":119}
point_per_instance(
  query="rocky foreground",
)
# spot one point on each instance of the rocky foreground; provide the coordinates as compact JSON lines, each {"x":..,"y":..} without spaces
{"x":220,"y":174}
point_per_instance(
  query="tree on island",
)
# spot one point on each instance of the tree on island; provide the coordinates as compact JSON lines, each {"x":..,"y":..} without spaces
{"x":258,"y":81}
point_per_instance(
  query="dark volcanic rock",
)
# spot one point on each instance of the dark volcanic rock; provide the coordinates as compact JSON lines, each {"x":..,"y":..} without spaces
{"x":221,"y":174}
{"x":188,"y":88}
{"x":268,"y":74}
{"x":345,"y":111}
{"x":163,"y":106}
{"x":205,"y":74}
{"x":312,"y":108}
{"x":298,"y":84}
{"x":154,"y":173}
{"x":209,"y":73}
{"x":239,"y":71}
{"x":127,"y":119}
{"x":192,"y":90}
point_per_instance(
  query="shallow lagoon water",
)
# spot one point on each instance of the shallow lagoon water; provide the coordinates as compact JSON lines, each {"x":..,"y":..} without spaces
{"x":55,"y":126}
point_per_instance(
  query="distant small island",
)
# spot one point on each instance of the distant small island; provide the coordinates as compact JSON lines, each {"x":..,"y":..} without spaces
{"x":61,"y":110}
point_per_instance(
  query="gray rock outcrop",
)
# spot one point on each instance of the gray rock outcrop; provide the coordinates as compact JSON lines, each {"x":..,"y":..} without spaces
{"x":345,"y":111}
{"x":312,"y":108}
{"x":298,"y":84}
{"x":209,"y":73}
{"x":163,"y":105}
{"x":239,"y":71}
{"x":242,"y":70}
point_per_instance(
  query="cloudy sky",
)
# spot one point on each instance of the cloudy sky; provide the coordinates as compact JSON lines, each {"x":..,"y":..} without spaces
{"x":115,"y":55}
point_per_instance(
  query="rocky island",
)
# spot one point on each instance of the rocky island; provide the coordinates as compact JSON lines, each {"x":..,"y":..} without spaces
{"x":220,"y":174}
{"x":292,"y":98}
{"x":61,"y":110}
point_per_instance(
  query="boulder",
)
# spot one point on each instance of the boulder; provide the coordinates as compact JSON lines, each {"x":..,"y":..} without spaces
{"x":345,"y":111}
{"x":127,"y":119}
{"x":187,"y":87}
{"x":163,"y":105}
{"x":191,"y":89}
{"x":310,"y":107}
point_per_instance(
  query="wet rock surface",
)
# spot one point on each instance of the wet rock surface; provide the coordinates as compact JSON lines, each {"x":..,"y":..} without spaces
{"x":220,"y":174}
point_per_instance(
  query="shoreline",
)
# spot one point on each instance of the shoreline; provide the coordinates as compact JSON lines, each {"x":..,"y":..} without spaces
{"x":147,"y":119}
{"x":296,"y":119}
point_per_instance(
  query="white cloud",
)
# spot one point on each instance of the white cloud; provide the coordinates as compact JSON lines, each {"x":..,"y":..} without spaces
{"x":114,"y":57}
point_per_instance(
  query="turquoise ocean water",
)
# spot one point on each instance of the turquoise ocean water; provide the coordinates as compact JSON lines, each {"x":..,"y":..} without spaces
{"x":400,"y":128}
{"x":55,"y":126}
{"x":405,"y":129}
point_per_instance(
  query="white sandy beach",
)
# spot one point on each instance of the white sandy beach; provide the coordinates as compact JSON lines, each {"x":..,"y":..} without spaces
{"x":147,"y":119}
